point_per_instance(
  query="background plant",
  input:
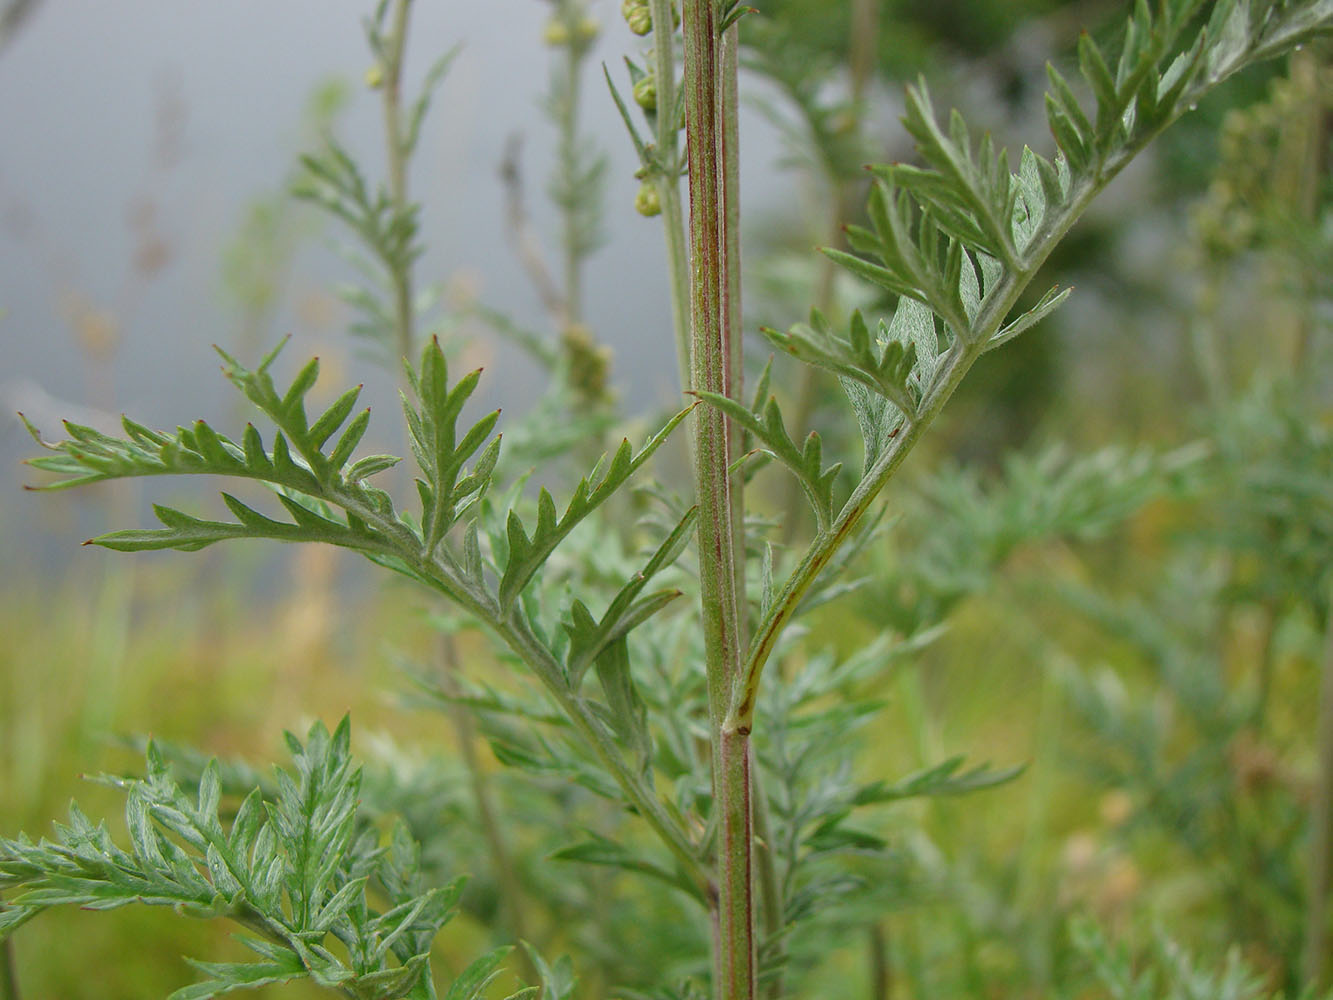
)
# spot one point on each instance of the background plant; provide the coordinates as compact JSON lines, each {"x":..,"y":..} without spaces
{"x":488,"y":572}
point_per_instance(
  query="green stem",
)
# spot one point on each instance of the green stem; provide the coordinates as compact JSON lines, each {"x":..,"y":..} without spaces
{"x":729,"y":195}
{"x":1267,"y":664}
{"x":1315,"y":957}
{"x":668,"y":182}
{"x":464,"y":729}
{"x":673,"y":222}
{"x":709,"y":104}
{"x":735,"y":905}
{"x":567,"y":117}
{"x":733,"y":337}
{"x":881,"y":975}
{"x":862,"y":40}
{"x":999,"y":302}
{"x":513,"y":630}
{"x":763,"y":856}
{"x":771,"y":897}
{"x":9,"y":977}
{"x":506,"y":877}
{"x":592,"y":731}
{"x":396,"y":146}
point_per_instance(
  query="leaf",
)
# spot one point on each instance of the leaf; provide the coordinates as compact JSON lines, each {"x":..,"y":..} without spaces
{"x":970,"y":197}
{"x":806,"y":462}
{"x":288,"y":866}
{"x":230,"y":976}
{"x":731,"y":11}
{"x":558,"y":982}
{"x":421,"y":105}
{"x":942,"y":780}
{"x":883,"y":367}
{"x":640,"y":147}
{"x":625,"y":612}
{"x":599,"y":850}
{"x":473,"y":980}
{"x":629,"y":714}
{"x":435,"y":443}
{"x":528,"y":554}
{"x":1048,"y":303}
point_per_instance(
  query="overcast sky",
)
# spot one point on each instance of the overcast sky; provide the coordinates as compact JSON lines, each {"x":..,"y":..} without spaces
{"x":86,"y":88}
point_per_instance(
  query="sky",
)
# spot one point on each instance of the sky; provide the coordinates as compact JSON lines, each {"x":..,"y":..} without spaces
{"x":134,"y":135}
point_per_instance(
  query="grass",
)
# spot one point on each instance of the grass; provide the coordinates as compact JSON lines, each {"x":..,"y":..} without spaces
{"x":168,"y":645}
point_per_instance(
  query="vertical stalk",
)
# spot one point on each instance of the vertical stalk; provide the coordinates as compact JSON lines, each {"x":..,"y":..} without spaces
{"x":881,"y":975}
{"x":668,"y":181}
{"x":405,"y":336}
{"x":862,"y":39}
{"x":1303,"y":170}
{"x":396,"y":146}
{"x":729,"y":193}
{"x":709,"y":102}
{"x":9,"y":979}
{"x":567,"y":97}
{"x":1315,"y":959}
{"x":771,"y":895}
{"x":506,"y":878}
{"x":764,"y":858}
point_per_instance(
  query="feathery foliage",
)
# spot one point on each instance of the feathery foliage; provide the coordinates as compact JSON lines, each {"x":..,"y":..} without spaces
{"x":747,"y":787}
{"x":296,"y":870}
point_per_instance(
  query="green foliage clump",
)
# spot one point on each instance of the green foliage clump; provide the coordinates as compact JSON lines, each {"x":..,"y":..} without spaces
{"x":733,"y":797}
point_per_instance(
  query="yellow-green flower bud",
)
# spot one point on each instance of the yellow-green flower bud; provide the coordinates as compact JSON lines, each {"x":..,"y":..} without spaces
{"x":648,"y":202}
{"x":645,"y":93}
{"x":556,"y":34}
{"x":587,"y":30}
{"x":638,"y":15}
{"x":589,"y":363}
{"x":375,"y":77}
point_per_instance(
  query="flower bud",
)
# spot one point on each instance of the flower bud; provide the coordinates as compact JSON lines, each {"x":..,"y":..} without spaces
{"x":556,"y":34}
{"x":375,"y":77}
{"x":587,"y":30}
{"x":648,"y":202}
{"x":638,"y":16}
{"x":645,"y":93}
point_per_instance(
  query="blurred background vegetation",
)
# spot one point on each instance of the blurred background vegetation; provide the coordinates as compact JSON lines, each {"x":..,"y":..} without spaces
{"x":1125,"y":526}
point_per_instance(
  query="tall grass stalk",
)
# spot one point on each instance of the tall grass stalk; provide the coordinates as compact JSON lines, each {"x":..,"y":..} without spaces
{"x":710,"y":111}
{"x":1320,"y":885}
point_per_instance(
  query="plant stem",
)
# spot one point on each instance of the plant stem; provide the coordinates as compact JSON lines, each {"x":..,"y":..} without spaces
{"x":770,"y":890}
{"x":998,"y":302}
{"x":526,"y":244}
{"x":1315,"y":958}
{"x":881,"y":975}
{"x":729,"y":194}
{"x":565,"y":98}
{"x":763,"y":855}
{"x":506,"y":878}
{"x":592,"y":731}
{"x":396,"y":146}
{"x":735,"y":905}
{"x":405,"y":335}
{"x":9,"y":979}
{"x":668,"y":182}
{"x":515,"y":632}
{"x":862,"y":39}
{"x":709,"y":103}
